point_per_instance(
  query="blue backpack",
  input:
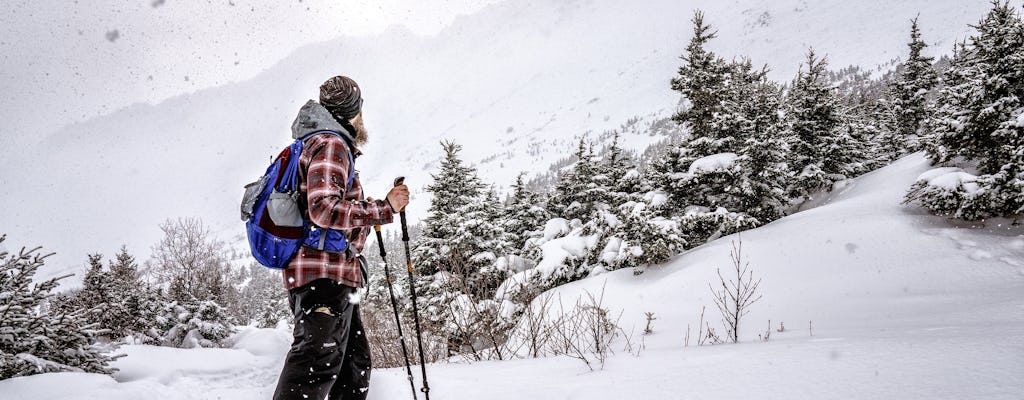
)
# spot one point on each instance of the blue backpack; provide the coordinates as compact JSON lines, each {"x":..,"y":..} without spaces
{"x":274,"y":220}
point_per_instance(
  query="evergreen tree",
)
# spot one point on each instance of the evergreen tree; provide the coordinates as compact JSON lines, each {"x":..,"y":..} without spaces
{"x":192,"y":324}
{"x":866,"y":114}
{"x":720,"y":123}
{"x":763,"y":172}
{"x":641,"y":237}
{"x":743,"y":175}
{"x":525,"y":213}
{"x":749,"y":104}
{"x":135,"y":302}
{"x":461,"y":239}
{"x":265,"y":300}
{"x":813,"y":121}
{"x":982,"y":99}
{"x":757,"y":185}
{"x":454,"y":187}
{"x":625,"y":181}
{"x":699,"y":80}
{"x":577,"y":192}
{"x":479,"y":242}
{"x":96,"y":293}
{"x":909,"y":97}
{"x":979,"y":120}
{"x":123,"y":269}
{"x":703,"y":81}
{"x":34,"y":338}
{"x":732,"y":172}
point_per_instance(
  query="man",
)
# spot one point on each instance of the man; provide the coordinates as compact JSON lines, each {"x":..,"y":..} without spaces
{"x":330,"y":354}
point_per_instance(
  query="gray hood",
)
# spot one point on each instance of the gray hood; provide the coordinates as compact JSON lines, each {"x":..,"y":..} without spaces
{"x":314,"y":117}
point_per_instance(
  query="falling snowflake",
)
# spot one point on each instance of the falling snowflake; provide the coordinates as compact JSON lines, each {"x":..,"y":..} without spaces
{"x":113,"y":35}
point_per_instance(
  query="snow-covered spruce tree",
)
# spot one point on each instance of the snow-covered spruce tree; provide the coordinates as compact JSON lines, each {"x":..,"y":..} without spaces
{"x":867,"y":114}
{"x":734,"y":104}
{"x":116,"y":299}
{"x":633,"y":233}
{"x":702,"y":81}
{"x":472,"y":321}
{"x":36,"y":339}
{"x":757,"y":188}
{"x":980,"y":107}
{"x":462,"y":237}
{"x":764,"y":173}
{"x":823,"y":149}
{"x":454,"y":187}
{"x":202,"y":323}
{"x":191,"y":263}
{"x":851,"y":153}
{"x":136,"y":303}
{"x":524,"y":213}
{"x":579,"y":189}
{"x":97,"y":294}
{"x":642,"y":237}
{"x":624,"y":178}
{"x":576,"y":203}
{"x":264,"y":300}
{"x":735,"y":178}
{"x":909,"y":98}
{"x":979,"y":125}
{"x":582,"y":196}
{"x":479,"y":242}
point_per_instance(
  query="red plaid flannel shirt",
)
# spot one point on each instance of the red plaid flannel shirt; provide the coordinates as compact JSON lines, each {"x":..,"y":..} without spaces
{"x":323,"y":171}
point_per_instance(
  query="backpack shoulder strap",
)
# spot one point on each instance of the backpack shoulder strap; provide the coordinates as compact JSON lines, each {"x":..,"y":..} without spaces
{"x":289,"y":178}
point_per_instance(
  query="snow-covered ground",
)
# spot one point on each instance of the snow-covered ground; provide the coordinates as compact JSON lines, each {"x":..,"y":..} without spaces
{"x":904,"y":305}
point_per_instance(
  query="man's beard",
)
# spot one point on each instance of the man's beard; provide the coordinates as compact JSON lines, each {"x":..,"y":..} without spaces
{"x":361,"y":134}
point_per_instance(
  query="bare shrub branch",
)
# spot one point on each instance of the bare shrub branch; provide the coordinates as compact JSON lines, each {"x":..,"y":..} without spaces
{"x":735,"y":296}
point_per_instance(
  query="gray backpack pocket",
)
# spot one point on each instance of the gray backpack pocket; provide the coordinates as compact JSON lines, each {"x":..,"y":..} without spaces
{"x":252,"y":192}
{"x":284,"y":209}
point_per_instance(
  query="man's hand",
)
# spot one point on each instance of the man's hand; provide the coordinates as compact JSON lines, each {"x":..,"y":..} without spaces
{"x":398,"y":197}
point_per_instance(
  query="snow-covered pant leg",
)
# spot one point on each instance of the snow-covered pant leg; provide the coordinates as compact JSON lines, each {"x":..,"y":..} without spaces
{"x":315,"y":361}
{"x":354,"y":381}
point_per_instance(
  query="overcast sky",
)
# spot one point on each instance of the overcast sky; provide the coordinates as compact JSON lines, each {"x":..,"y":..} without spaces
{"x":70,"y":60}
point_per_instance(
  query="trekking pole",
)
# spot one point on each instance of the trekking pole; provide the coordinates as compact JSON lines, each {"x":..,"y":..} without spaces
{"x":394,"y":305}
{"x":412,"y":291}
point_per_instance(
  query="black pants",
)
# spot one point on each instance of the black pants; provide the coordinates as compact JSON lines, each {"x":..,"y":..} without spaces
{"x":330,"y":356}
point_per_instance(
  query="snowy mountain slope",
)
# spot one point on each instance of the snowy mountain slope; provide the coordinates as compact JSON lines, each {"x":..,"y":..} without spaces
{"x":904,"y":306}
{"x":515,"y":83}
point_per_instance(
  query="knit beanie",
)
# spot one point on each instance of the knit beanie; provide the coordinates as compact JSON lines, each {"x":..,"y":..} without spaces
{"x":341,"y":96}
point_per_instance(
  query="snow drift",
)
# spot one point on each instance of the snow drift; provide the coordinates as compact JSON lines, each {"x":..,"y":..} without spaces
{"x":877,"y":300}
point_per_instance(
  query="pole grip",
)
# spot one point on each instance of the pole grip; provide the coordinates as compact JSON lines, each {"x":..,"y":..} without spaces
{"x":401,"y":213}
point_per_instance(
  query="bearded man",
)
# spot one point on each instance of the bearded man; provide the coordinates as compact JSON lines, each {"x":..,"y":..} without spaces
{"x":330,"y":354}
